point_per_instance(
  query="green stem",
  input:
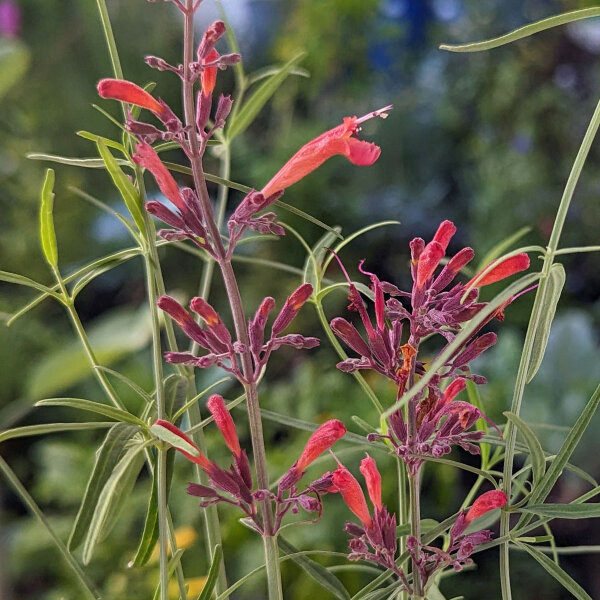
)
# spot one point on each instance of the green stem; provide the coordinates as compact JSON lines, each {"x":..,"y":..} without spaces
{"x":273,"y":567}
{"x":402,"y":510}
{"x":510,"y":433}
{"x":415,"y":530}
{"x":34,"y":509}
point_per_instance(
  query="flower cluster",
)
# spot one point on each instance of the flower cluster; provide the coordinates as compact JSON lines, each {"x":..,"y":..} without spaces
{"x":235,"y":486}
{"x":376,"y":538}
{"x":438,"y":421}
{"x":461,"y":544}
{"x":216,"y":338}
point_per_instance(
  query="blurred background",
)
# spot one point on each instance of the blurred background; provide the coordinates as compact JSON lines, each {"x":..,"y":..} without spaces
{"x":485,"y":139}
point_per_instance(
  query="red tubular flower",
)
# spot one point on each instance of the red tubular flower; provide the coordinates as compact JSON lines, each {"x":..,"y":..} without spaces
{"x":457,"y":386}
{"x":211,"y":318}
{"x":198,"y":458}
{"x":428,"y":261}
{"x":126,"y":91}
{"x":291,"y":307}
{"x":222,"y":417}
{"x":486,"y":502}
{"x":322,"y":439}
{"x":147,"y":158}
{"x":338,"y":140}
{"x":352,"y":494}
{"x":209,"y":74}
{"x":502,"y":269}
{"x":368,"y":468}
{"x":444,"y":234}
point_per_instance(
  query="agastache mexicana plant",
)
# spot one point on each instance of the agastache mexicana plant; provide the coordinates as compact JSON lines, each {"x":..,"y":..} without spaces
{"x":243,"y":352}
{"x":434,"y":420}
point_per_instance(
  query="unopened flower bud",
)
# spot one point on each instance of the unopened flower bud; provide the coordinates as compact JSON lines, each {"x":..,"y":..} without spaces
{"x":223,"y":110}
{"x":352,"y":494}
{"x":502,"y":269}
{"x":291,"y":307}
{"x":209,"y":39}
{"x":223,"y":420}
{"x":368,"y":468}
{"x":486,"y":502}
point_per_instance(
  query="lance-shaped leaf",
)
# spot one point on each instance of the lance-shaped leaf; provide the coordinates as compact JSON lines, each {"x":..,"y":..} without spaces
{"x":123,"y":184}
{"x":107,"y":457}
{"x":47,"y":233}
{"x":239,"y":122}
{"x":552,"y":288}
{"x":213,"y":574}
{"x":538,"y":462}
{"x":127,"y":468}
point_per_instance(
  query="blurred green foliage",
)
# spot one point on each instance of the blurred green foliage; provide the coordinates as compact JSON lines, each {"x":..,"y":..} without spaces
{"x":486,"y":140}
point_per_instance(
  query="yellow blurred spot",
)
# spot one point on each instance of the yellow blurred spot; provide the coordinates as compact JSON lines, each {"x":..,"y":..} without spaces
{"x":194,"y":587}
{"x":184,"y":538}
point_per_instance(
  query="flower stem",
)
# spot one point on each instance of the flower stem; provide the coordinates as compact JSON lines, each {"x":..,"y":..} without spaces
{"x":237,"y":310}
{"x":415,"y":530}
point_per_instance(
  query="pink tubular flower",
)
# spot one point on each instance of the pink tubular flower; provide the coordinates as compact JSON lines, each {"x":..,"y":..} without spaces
{"x":433,"y":253}
{"x":502,"y":269}
{"x":222,"y":417}
{"x":338,"y":140}
{"x":291,"y":307}
{"x":199,"y":458}
{"x":146,"y":157}
{"x":126,"y":91}
{"x":352,"y":494}
{"x":322,"y":439}
{"x":209,"y":74}
{"x":486,"y":502}
{"x":368,"y":468}
{"x":457,"y":386}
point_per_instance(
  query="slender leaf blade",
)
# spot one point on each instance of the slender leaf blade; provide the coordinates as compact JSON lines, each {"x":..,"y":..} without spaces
{"x":259,"y":98}
{"x":213,"y":573}
{"x":126,"y":188}
{"x":47,"y":233}
{"x":526,"y":31}
{"x":565,"y":511}
{"x":44,"y":428}
{"x":559,"y":574}
{"x":327,"y":580}
{"x":551,"y":295}
{"x":107,"y":457}
{"x":538,"y":462}
{"x":131,"y":461}
{"x":96,"y":407}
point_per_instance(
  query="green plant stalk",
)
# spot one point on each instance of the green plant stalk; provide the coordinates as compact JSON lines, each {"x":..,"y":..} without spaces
{"x":161,"y":479}
{"x":34,"y":509}
{"x":237,"y":310}
{"x":402,"y":511}
{"x":536,"y":313}
{"x":415,"y":530}
{"x":82,"y":335}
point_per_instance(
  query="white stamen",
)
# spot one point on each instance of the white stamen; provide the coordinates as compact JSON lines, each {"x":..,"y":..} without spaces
{"x":382,"y":112}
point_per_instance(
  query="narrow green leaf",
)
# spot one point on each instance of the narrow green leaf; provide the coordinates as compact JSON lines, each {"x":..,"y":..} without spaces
{"x":96,"y":407}
{"x":270,"y":70}
{"x":131,"y":461}
{"x":553,"y":569}
{"x":93,"y":137}
{"x":150,"y":531}
{"x":259,"y":98}
{"x":541,"y":491}
{"x":27,"y":282}
{"x":328,"y":581}
{"x":553,"y":286}
{"x":107,"y":457}
{"x":524,"y":32}
{"x":34,"y":509}
{"x":427,"y":525}
{"x":47,"y":233}
{"x":128,"y":382}
{"x":197,"y":397}
{"x":480,"y":424}
{"x":565,"y":511}
{"x":44,"y":428}
{"x":87,"y":163}
{"x":164,"y":434}
{"x":126,"y":188}
{"x":176,"y":387}
{"x":213,"y":574}
{"x":538,"y":461}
